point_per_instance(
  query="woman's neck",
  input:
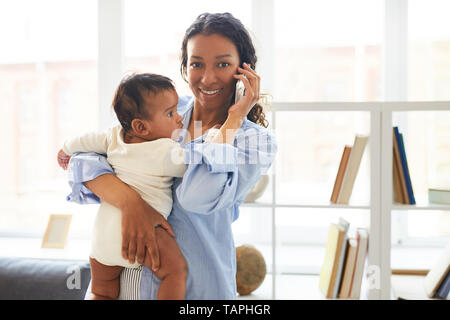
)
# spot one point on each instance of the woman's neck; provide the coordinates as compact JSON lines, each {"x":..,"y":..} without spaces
{"x":207,"y":117}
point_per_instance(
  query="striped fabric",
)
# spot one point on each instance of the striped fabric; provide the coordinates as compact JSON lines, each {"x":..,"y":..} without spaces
{"x":130,"y":284}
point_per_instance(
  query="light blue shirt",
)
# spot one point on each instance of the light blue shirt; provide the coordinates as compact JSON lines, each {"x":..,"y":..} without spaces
{"x":205,"y":203}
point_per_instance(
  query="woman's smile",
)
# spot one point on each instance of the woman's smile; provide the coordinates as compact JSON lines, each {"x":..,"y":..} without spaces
{"x":210,"y":94}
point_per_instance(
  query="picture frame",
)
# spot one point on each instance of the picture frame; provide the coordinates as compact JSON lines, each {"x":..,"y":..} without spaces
{"x":57,"y":230}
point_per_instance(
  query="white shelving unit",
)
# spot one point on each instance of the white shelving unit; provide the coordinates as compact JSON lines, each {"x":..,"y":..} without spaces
{"x":381,"y":202}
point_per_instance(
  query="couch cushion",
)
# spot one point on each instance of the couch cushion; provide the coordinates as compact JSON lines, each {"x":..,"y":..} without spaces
{"x":37,"y":279}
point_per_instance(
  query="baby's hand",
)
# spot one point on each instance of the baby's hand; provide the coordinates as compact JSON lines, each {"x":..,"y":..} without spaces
{"x":63,"y":159}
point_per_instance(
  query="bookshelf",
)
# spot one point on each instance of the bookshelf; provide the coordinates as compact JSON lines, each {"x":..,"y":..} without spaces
{"x":380,"y":204}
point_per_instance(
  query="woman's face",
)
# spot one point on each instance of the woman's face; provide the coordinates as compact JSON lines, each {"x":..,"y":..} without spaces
{"x":212,"y":60}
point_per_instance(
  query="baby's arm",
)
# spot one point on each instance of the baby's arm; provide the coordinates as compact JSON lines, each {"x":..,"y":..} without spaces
{"x":89,"y":142}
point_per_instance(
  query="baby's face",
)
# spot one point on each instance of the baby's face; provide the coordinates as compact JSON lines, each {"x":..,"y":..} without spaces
{"x":164,"y":117}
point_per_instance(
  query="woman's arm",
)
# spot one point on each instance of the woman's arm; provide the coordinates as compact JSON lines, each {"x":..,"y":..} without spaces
{"x":219,"y":176}
{"x":138,"y":218}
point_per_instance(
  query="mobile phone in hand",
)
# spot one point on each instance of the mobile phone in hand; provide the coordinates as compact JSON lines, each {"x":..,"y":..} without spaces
{"x":240,"y":91}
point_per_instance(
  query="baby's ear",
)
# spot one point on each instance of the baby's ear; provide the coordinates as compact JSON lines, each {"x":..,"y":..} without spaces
{"x":140,"y":127}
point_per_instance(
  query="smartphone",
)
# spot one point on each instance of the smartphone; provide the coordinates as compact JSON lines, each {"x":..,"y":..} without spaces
{"x":240,"y":91}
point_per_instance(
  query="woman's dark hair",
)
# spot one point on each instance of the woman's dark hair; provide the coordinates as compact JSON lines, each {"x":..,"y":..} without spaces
{"x":228,"y":26}
{"x":129,"y":99}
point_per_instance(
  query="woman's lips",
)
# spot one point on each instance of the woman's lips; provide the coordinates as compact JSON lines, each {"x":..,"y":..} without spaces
{"x":210,"y":93}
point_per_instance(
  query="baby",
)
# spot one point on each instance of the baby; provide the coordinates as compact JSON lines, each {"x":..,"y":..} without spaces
{"x":145,"y":157}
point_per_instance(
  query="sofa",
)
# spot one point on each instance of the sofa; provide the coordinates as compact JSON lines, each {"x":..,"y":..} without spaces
{"x":43,"y":279}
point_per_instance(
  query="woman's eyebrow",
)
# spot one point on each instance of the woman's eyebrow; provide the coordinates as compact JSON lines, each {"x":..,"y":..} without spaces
{"x":217,"y":57}
{"x":223,"y":56}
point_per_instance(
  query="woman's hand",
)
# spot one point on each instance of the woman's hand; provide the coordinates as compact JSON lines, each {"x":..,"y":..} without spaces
{"x":251,"y":81}
{"x":63,"y":159}
{"x":238,"y":112}
{"x":139,"y":221}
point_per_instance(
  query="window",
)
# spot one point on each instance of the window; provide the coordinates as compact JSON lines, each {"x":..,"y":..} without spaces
{"x":328,"y":50}
{"x":322,"y":50}
{"x":48,"y":89}
{"x":426,"y":133}
{"x":154,"y":33}
{"x":428,"y":50}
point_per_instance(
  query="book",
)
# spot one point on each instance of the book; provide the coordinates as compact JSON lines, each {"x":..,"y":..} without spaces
{"x":330,"y":264}
{"x":444,"y":289}
{"x":408,"y":181}
{"x":350,"y":262}
{"x":404,"y":162}
{"x":346,"y":225}
{"x":399,"y":176}
{"x":362,"y":238}
{"x":397,"y":187}
{"x":398,"y":161}
{"x":340,"y":174}
{"x":439,"y":195}
{"x":351,"y":171}
{"x":437,"y":273}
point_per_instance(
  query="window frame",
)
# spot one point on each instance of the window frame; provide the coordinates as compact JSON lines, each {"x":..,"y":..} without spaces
{"x":111,"y":55}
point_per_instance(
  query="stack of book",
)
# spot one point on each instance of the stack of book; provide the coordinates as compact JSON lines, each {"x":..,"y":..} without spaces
{"x":342,"y":271}
{"x":439,"y":195}
{"x":403,"y":191}
{"x":348,"y":169}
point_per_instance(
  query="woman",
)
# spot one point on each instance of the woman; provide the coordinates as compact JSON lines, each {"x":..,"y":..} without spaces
{"x":216,"y":52}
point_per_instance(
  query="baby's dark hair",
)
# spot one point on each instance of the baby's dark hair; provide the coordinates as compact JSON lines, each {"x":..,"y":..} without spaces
{"x":129,"y":99}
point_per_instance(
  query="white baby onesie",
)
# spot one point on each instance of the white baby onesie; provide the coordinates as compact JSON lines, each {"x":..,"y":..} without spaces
{"x":148,"y":167}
